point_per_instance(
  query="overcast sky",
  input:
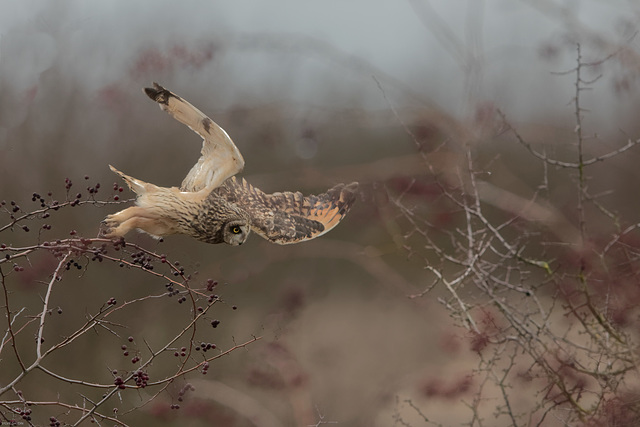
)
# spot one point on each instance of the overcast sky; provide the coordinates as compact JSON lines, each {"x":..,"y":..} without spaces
{"x":446,"y":53}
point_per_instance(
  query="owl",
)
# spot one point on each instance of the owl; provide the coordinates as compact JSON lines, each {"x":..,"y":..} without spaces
{"x":214,"y":206}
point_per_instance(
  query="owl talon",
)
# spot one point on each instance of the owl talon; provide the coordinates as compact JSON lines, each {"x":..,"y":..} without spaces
{"x":111,"y":222}
{"x":111,"y":225}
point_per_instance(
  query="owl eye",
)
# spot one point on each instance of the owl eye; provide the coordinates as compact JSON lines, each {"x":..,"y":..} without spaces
{"x":235,"y":229}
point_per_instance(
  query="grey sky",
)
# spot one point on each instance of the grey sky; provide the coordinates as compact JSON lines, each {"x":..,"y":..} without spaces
{"x":288,"y":50}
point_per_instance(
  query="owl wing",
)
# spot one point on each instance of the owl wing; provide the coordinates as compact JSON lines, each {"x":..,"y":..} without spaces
{"x":287,"y":217}
{"x":220,"y":158}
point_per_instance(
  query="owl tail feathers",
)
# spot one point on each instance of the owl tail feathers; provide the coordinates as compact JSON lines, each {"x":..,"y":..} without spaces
{"x":137,"y":186}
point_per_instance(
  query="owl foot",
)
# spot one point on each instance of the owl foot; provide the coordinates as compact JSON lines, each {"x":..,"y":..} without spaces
{"x":111,"y":225}
{"x":120,"y":223}
{"x":135,"y":217}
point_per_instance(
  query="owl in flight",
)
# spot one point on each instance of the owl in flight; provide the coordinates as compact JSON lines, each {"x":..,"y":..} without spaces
{"x":213,"y":205}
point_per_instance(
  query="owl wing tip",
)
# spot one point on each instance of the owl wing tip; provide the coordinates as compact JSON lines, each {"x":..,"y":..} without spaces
{"x":220,"y":158}
{"x":159,"y":94}
{"x":344,"y":195}
{"x":333,"y":206}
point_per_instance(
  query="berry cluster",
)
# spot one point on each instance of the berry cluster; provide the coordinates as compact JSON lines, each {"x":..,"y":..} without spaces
{"x":24,"y":413}
{"x":98,"y":253}
{"x":14,"y":207}
{"x":117,"y":188}
{"x":143,"y":260}
{"x":125,"y":352}
{"x":171,"y":291}
{"x":211,"y":284}
{"x":141,"y":378}
{"x":38,"y":198}
{"x":74,"y":263}
{"x":187,"y":387}
{"x":118,"y":381}
{"x":92,"y":190}
{"x":205,"y":346}
{"x":180,"y":271}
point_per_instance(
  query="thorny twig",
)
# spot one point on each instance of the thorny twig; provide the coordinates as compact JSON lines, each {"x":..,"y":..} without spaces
{"x":555,"y":317}
{"x":68,"y":253}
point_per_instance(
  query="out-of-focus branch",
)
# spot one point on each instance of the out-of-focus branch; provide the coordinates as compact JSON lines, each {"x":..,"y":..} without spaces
{"x":45,"y":305}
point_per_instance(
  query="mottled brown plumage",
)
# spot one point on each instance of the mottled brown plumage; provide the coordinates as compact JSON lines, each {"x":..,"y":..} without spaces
{"x":213,"y":206}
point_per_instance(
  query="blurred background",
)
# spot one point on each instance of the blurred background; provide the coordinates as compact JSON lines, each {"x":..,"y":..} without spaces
{"x":313,"y":93}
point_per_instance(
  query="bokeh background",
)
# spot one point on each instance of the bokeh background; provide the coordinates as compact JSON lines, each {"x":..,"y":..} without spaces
{"x":313,"y":93}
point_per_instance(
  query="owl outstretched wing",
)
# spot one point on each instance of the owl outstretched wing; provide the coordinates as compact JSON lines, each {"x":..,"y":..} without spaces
{"x":288,"y":217}
{"x":220,"y":158}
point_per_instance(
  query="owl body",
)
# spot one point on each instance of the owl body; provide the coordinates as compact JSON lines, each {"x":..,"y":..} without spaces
{"x":213,"y":206}
{"x":218,"y":221}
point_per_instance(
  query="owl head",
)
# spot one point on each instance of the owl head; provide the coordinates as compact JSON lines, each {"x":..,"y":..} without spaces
{"x":235,"y":232}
